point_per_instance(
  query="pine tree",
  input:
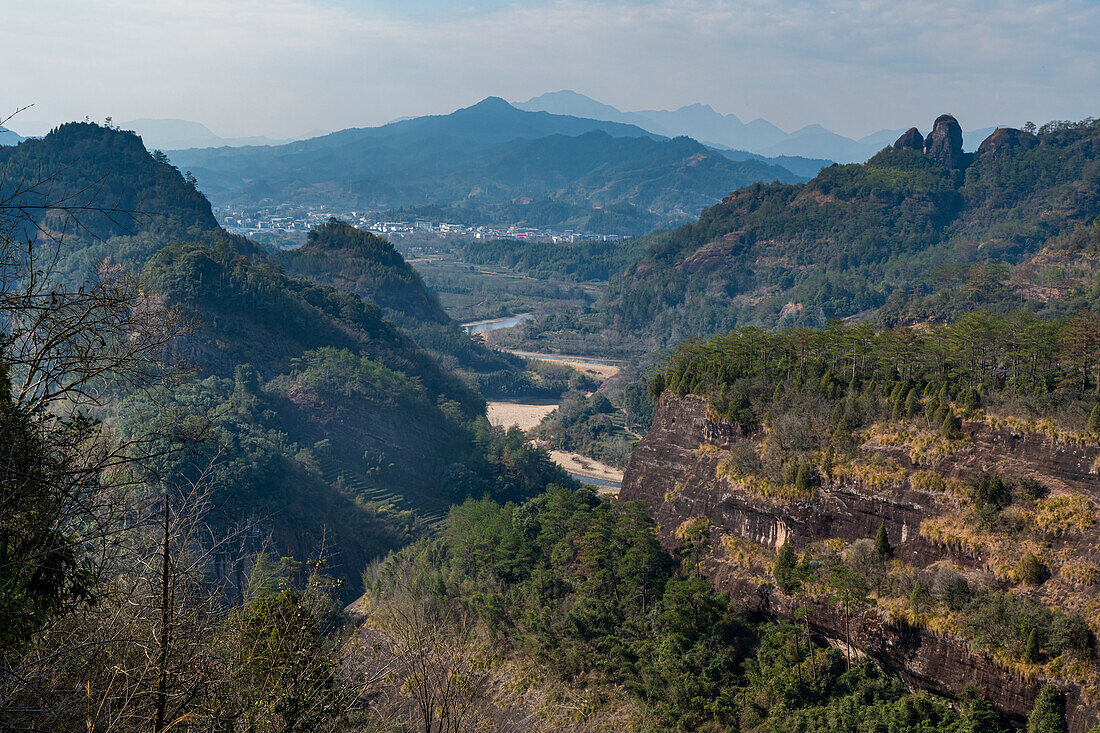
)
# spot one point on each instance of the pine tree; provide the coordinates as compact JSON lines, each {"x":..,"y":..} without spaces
{"x":912,"y":403}
{"x":915,"y":596}
{"x":1049,"y":713}
{"x":979,"y":714}
{"x":803,"y":482}
{"x":1094,"y":419}
{"x":882,"y":543}
{"x":1031,"y":653}
{"x":951,"y":427}
{"x":657,"y":386}
{"x":785,"y":564}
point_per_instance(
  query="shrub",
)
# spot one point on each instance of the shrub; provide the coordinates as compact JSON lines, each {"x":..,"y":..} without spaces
{"x":1031,"y":570}
{"x":1031,"y":652}
{"x":990,"y":491}
{"x":1049,"y":713}
{"x":950,"y":588}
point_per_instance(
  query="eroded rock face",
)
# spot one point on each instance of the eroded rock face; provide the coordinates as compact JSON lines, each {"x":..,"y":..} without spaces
{"x":1004,"y":139}
{"x":911,"y":139}
{"x":944,"y":143}
{"x":675,"y":471}
{"x":920,"y":658}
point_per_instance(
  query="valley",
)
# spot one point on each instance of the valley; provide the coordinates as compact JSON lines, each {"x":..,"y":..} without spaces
{"x":759,"y":451}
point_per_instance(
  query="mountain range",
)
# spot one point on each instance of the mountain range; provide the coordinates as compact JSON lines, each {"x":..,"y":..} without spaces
{"x":501,"y":161}
{"x":759,"y":136}
{"x":171,"y":134}
{"x":922,"y":231}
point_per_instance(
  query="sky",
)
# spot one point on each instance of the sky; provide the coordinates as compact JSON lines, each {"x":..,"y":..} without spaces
{"x":284,"y":67}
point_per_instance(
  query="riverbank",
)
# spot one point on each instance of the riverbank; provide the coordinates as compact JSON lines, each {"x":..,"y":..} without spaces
{"x":526,"y":416}
{"x":588,"y":468}
{"x":603,"y":369}
{"x":494,"y":324}
{"x":523,"y":415}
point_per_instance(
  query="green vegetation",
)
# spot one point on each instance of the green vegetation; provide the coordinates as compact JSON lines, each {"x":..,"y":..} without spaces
{"x":106,"y":176}
{"x":1049,"y":715}
{"x":301,"y":395}
{"x":340,"y":256}
{"x":847,"y":377}
{"x":581,"y":588}
{"x":899,"y":239}
{"x":472,"y":292}
{"x":579,"y":262}
{"x":591,"y":426}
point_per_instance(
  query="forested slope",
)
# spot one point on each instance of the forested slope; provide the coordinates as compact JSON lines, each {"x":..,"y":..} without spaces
{"x":306,"y":391}
{"x":341,"y":256}
{"x":927,"y":495}
{"x":929,"y":237}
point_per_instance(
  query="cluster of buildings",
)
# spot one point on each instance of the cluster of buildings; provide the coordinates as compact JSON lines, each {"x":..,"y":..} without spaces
{"x":292,"y":220}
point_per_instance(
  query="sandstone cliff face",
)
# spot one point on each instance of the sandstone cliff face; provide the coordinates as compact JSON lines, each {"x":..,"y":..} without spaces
{"x":675,"y":472}
{"x":911,"y":139}
{"x":944,"y":143}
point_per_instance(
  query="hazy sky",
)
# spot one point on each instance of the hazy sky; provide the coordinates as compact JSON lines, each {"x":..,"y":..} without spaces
{"x":282,"y":67}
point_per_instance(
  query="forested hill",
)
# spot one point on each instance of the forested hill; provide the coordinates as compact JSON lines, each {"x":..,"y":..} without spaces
{"x":110,"y":175}
{"x":340,"y":255}
{"x":923,"y":231}
{"x":483,"y":158}
{"x":98,"y":195}
{"x":304,"y":391}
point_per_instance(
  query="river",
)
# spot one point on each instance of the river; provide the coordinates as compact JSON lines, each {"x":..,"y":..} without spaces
{"x":495,"y":324}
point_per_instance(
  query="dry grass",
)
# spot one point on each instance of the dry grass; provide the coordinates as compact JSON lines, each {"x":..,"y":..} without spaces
{"x":756,"y":560}
{"x":524,"y":416}
{"x":1042,"y":426}
{"x":1064,"y":514}
{"x":875,"y":471}
{"x":761,"y":487}
{"x":1081,"y":574}
{"x":928,"y":481}
{"x":925,"y":446}
{"x":963,"y":530}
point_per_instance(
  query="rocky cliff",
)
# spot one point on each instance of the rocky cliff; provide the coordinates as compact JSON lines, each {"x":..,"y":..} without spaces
{"x":944,"y":143}
{"x":678,"y":472}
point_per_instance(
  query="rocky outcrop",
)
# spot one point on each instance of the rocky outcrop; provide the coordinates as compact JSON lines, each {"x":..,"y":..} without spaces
{"x":675,"y":471}
{"x":920,"y":658}
{"x":944,"y":143}
{"x":1004,"y":139}
{"x":911,"y":139}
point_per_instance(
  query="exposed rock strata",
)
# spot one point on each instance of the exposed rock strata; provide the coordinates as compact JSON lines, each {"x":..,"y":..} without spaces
{"x":675,"y":471}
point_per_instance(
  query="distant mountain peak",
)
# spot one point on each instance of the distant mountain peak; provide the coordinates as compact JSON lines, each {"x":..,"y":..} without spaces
{"x":697,"y":107}
{"x":492,"y":103}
